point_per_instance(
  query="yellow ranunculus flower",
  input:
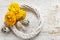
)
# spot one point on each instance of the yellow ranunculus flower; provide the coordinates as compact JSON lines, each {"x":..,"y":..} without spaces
{"x":10,"y":18}
{"x":21,"y":15}
{"x":15,"y":7}
{"x":15,"y":14}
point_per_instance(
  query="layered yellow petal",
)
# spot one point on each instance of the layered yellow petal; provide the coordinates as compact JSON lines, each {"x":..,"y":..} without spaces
{"x":21,"y":15}
{"x":15,"y":7}
{"x":10,"y":18}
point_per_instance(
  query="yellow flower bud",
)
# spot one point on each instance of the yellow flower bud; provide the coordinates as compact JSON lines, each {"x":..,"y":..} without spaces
{"x":10,"y":18}
{"x":21,"y":15}
{"x":15,"y":7}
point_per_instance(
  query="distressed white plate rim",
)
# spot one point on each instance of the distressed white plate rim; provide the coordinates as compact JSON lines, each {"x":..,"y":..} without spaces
{"x":35,"y":32}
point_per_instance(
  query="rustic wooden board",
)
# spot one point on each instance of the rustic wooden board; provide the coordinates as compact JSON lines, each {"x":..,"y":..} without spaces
{"x":49,"y":10}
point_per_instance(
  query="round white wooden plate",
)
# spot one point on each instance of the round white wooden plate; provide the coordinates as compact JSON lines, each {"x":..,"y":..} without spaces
{"x":34,"y":26}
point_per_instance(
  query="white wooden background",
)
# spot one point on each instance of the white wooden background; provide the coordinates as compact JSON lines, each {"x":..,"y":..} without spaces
{"x":50,"y":13}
